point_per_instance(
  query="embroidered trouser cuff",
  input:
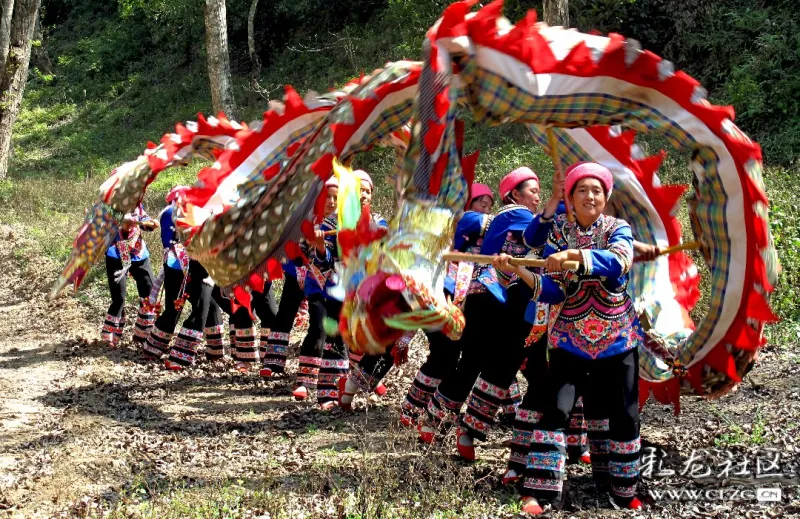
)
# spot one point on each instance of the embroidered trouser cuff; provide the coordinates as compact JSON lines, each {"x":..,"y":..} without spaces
{"x":184,"y":351}
{"x":157,"y":342}
{"x":245,"y":349}
{"x":111,"y":332}
{"x":482,"y":406}
{"x":419,"y":395}
{"x":442,"y":411}
{"x":215,"y":342}
{"x":275,"y":351}
{"x":333,"y":366}
{"x":308,"y":372}
{"x":144,"y":321}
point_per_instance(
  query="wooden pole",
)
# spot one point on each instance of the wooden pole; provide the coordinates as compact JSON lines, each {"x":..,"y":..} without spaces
{"x":485,"y":259}
{"x":559,"y":172}
{"x":692,"y":245}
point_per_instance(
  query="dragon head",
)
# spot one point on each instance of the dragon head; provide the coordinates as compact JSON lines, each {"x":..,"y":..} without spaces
{"x":93,"y":239}
{"x":394,"y":284}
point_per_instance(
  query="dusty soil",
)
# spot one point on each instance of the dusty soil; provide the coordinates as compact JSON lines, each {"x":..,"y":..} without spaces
{"x":87,"y":431}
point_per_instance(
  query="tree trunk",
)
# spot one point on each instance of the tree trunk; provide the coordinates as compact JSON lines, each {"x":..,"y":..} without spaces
{"x":556,"y":12}
{"x":219,"y":67}
{"x":5,"y":29}
{"x":39,"y":56}
{"x":251,"y":40}
{"x":15,"y":74}
{"x":255,"y":73}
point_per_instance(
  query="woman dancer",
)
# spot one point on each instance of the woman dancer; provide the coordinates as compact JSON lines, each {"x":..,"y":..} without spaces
{"x":594,"y":344}
{"x":519,"y":191}
{"x":128,"y":255}
{"x":443,"y":353}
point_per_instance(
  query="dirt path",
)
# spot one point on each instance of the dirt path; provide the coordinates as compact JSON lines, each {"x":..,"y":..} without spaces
{"x":85,"y":430}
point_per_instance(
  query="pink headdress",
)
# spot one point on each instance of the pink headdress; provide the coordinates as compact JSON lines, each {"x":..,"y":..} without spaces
{"x":364,"y":177}
{"x":582,"y":170}
{"x":515,"y":178}
{"x":332,"y":182}
{"x":479,"y":190}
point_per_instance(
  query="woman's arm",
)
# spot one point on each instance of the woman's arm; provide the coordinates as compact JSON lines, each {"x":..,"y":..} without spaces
{"x":536,"y":233}
{"x":544,"y":289}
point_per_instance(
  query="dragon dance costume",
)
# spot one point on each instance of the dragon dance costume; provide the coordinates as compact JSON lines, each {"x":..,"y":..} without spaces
{"x":128,"y":255}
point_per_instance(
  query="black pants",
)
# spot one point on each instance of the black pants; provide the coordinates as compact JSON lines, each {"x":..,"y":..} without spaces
{"x":214,"y":331}
{"x":274,"y":350}
{"x":115,"y":318}
{"x":536,"y":372}
{"x":190,"y":336}
{"x":323,"y":359}
{"x":442,"y":358}
{"x":611,"y":393}
{"x":164,"y":328}
{"x":173,"y":280}
{"x":483,"y":314}
{"x":368,"y":372}
{"x":499,"y":369}
{"x":265,"y":307}
{"x":242,"y":329}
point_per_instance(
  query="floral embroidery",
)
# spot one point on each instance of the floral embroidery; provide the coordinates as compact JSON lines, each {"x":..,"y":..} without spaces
{"x":548,"y":437}
{"x":521,"y":437}
{"x":425,"y":380}
{"x":576,"y":439}
{"x":553,"y":485}
{"x":630,"y":447}
{"x":490,"y":389}
{"x":554,"y":461}
{"x":597,"y":425}
{"x":619,"y":469}
{"x":523,"y":415}
{"x":599,"y":446}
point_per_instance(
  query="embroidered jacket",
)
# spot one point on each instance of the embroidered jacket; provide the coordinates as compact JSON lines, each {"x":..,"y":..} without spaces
{"x":597,"y":318}
{"x":503,"y":235}
{"x":134,"y":242}
{"x":320,"y":272}
{"x":468,"y":238}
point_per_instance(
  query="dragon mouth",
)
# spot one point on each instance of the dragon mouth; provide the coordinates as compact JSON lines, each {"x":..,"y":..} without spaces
{"x":73,"y":274}
{"x":384,"y":295}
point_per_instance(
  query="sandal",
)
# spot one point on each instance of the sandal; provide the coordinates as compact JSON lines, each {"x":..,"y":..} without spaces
{"x":467,"y":449}
{"x":510,"y":477}
{"x":426,"y":433}
{"x":172,"y":366}
{"x":531,"y":506}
